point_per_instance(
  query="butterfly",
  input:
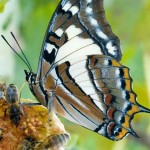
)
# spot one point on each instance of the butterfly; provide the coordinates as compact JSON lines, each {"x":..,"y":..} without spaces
{"x":79,"y":72}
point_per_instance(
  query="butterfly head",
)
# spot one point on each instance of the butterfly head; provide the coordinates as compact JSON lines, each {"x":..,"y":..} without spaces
{"x":30,"y":77}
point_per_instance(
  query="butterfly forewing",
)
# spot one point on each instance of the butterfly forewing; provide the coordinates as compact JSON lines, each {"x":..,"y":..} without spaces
{"x":77,"y":28}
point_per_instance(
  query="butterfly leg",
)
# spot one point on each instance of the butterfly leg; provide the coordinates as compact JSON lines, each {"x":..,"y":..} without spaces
{"x":50,"y":105}
{"x":30,"y":104}
{"x":51,"y":97}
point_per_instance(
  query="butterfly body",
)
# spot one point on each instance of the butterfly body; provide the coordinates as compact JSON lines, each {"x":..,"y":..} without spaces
{"x":79,"y":74}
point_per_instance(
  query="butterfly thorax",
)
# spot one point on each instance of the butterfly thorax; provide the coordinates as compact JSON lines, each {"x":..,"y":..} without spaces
{"x":41,"y":88}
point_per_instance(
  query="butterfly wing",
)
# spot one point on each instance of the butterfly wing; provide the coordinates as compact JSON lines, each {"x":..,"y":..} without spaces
{"x":78,"y":65}
{"x":96,"y":93}
{"x":77,"y":28}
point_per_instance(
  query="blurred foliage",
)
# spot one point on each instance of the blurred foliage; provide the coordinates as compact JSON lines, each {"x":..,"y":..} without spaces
{"x":130,"y":21}
{"x":2,"y":5}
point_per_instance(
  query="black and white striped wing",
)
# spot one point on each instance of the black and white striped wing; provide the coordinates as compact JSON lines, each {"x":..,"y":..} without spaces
{"x":96,"y":93}
{"x":77,"y":28}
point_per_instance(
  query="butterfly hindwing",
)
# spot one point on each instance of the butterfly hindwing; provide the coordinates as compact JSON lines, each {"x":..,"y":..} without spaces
{"x":86,"y":95}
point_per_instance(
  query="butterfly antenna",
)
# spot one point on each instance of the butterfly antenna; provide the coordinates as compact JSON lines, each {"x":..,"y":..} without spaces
{"x":21,"y":50}
{"x":29,"y":67}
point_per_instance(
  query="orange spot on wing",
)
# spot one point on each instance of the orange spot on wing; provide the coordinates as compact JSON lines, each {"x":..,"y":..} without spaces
{"x":134,"y":109}
{"x":110,"y":113}
{"x":126,"y":123}
{"x":128,"y":85}
{"x":132,"y":98}
{"x":108,"y":99}
{"x":126,"y":73}
{"x":110,"y":127}
{"x":122,"y":134}
{"x":115,"y":63}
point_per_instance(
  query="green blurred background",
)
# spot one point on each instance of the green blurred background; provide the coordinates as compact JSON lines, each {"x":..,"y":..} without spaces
{"x":130,"y":21}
